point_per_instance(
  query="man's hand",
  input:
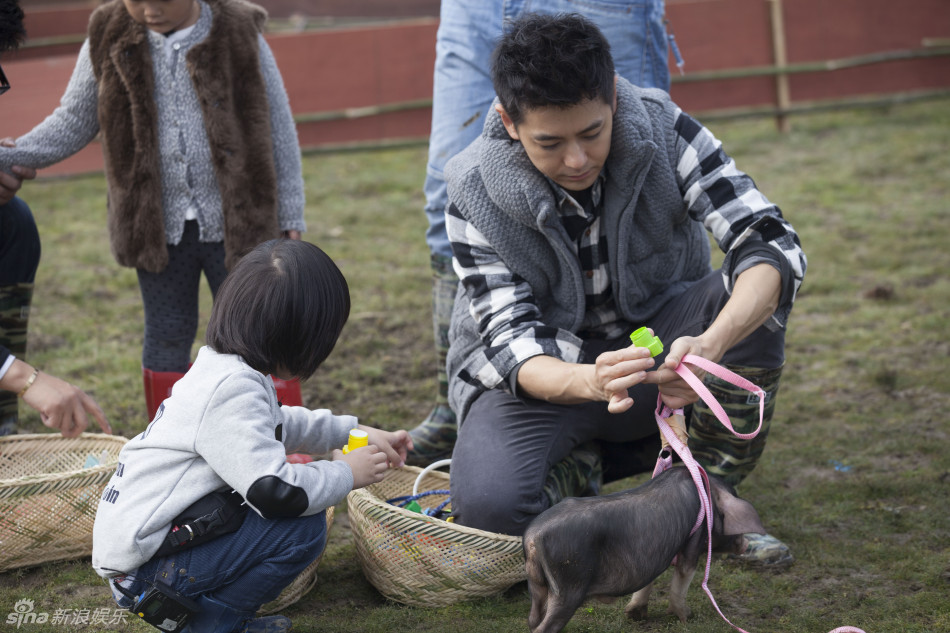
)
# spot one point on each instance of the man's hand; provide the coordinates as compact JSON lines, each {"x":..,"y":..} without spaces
{"x":607,"y":380}
{"x":615,"y":372}
{"x":675,"y":391}
{"x":754,"y":299}
{"x":11,"y":183}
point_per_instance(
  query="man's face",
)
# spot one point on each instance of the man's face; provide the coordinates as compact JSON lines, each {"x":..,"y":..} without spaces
{"x":163,"y":16}
{"x":568,"y":145}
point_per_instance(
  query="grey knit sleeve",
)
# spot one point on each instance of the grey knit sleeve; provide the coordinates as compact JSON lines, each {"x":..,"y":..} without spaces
{"x":68,"y":129}
{"x":290,"y":196}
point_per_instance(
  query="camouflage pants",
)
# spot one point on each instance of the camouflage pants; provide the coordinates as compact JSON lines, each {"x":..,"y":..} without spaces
{"x":713,"y":446}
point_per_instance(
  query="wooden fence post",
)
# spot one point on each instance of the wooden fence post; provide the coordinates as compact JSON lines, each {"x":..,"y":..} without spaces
{"x":779,"y":53}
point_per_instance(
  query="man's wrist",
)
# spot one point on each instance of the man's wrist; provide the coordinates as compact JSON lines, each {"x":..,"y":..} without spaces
{"x":554,"y":380}
{"x":712,"y":345}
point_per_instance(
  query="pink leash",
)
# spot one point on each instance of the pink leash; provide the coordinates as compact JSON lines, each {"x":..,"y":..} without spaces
{"x":665,"y":459}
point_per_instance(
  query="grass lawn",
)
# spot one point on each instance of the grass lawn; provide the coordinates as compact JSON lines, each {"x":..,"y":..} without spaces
{"x":856,"y":478}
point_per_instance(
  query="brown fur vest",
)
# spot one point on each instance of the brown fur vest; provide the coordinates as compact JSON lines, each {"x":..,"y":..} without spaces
{"x":226,"y":74}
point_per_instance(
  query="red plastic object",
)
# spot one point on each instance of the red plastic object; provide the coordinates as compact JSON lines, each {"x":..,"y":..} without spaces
{"x":158,"y":386}
{"x":288,"y":392}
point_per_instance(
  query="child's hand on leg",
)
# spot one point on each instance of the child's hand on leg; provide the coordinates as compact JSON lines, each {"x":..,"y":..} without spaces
{"x":367,"y":463}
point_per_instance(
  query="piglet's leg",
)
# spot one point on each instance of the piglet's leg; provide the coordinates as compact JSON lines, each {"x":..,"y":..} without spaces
{"x":558,"y":613}
{"x":636,"y":609}
{"x":682,"y":575}
{"x":539,"y":600}
{"x":537,"y":581}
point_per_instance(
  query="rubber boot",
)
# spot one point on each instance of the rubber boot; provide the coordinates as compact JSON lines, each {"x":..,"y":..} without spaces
{"x":580,"y":474}
{"x":711,"y":443}
{"x":434,"y":438}
{"x":158,"y":386}
{"x":720,"y":452}
{"x":14,"y":317}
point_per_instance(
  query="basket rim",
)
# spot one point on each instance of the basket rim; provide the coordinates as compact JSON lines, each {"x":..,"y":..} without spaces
{"x":51,"y":477}
{"x":57,"y":436}
{"x":365,"y":494}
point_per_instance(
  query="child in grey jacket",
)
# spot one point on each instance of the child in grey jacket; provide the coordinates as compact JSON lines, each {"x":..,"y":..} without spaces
{"x":279,"y":312}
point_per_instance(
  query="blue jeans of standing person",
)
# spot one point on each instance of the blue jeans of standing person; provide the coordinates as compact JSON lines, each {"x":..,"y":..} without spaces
{"x":241,"y":570}
{"x":462,"y":87}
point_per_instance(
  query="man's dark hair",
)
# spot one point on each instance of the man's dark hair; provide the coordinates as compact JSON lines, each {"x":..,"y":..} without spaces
{"x":282,"y":308}
{"x":551,"y":60}
{"x":12,"y":32}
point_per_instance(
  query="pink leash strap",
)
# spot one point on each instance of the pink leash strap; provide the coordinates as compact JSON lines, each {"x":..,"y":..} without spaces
{"x":720,"y":372}
{"x":702,"y":487}
{"x":696,"y":471}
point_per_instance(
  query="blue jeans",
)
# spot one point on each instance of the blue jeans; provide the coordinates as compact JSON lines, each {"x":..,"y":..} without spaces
{"x":462,"y":87}
{"x":244,"y":569}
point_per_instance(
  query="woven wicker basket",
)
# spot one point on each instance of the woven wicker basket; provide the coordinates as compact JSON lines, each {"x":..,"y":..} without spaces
{"x":302,"y":584}
{"x":422,"y":561}
{"x":47,"y":499}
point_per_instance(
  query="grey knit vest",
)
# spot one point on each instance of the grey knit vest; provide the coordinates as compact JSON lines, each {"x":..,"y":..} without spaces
{"x":655,"y":249}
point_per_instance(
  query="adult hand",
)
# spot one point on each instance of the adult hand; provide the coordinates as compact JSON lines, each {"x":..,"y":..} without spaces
{"x":62,"y":406}
{"x":11,"y":183}
{"x":675,"y":391}
{"x":607,"y":380}
{"x":754,"y":299}
{"x":615,"y":372}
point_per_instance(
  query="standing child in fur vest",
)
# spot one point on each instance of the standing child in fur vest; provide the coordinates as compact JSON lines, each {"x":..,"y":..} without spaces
{"x":201,"y":153}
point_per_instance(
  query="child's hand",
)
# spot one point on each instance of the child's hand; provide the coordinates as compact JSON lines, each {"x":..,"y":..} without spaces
{"x":395,"y":444}
{"x":367,"y":463}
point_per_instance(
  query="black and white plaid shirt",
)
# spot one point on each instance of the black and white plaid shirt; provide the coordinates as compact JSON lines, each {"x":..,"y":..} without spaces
{"x":502,"y":304}
{"x":580,"y":215}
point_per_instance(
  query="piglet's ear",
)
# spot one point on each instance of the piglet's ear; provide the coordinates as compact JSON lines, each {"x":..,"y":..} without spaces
{"x":739,"y":517}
